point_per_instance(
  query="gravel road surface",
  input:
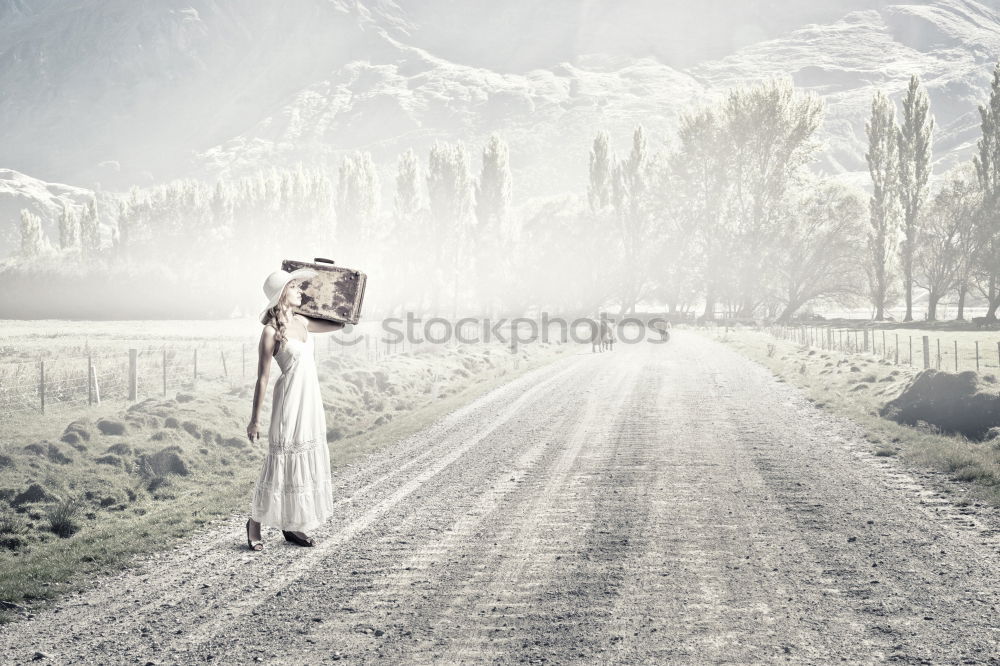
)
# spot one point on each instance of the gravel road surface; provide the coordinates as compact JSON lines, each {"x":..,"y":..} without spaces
{"x":656,"y":504}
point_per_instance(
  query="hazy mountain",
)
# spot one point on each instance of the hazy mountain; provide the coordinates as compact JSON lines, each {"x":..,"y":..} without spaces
{"x":116,"y":92}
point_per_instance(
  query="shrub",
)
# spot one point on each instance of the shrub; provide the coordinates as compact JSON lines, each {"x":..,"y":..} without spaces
{"x":109,"y":427}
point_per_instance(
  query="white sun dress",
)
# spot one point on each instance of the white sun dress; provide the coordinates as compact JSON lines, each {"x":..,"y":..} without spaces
{"x":294,"y":491}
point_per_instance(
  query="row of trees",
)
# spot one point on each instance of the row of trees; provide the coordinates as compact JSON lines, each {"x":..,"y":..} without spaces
{"x":732,"y":214}
{"x":448,"y":234}
{"x":946,"y":243}
{"x":727,"y":213}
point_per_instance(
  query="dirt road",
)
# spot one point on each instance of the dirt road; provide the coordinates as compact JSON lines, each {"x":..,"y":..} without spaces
{"x":659,"y":503}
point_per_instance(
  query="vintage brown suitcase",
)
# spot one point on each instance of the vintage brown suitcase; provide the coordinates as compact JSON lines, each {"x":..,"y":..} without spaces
{"x":335,"y":294}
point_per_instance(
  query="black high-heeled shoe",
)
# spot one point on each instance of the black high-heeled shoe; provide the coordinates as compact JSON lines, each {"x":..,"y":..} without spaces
{"x":297,"y":540}
{"x":253,"y":545}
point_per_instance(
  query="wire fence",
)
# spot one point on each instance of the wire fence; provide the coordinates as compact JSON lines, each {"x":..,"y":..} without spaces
{"x":955,"y":352}
{"x":57,"y":384}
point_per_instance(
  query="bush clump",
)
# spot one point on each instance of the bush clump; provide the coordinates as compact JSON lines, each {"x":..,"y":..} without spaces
{"x":12,"y":530}
{"x":109,"y":427}
{"x":62,"y":517}
{"x":36,"y":492}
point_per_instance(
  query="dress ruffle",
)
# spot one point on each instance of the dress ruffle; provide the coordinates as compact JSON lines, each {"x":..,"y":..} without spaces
{"x":294,"y":491}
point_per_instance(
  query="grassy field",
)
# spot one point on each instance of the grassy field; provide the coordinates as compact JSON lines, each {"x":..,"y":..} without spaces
{"x":858,"y":384}
{"x":82,"y":495}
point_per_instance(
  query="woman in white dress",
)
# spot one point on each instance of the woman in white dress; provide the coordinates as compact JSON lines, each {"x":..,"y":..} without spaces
{"x":293,"y":491}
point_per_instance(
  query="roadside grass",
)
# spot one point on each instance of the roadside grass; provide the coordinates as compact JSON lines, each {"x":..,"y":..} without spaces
{"x":98,"y":499}
{"x":857,"y":386}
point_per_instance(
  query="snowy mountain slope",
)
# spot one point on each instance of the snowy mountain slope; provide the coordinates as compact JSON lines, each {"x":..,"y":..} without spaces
{"x":131,"y":91}
{"x":47,"y":200}
{"x":951,"y":45}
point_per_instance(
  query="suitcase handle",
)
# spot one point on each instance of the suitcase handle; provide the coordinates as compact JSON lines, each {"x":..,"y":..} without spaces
{"x":321,"y":259}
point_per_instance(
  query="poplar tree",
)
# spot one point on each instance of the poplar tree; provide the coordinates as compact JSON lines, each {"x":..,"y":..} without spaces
{"x":493,"y":238}
{"x":451,"y":199}
{"x":407,"y":238}
{"x":884,"y":204}
{"x":68,"y":227}
{"x":630,"y":181}
{"x":601,"y":166}
{"x":31,"y":234}
{"x":407,"y":200}
{"x":987,"y":163}
{"x":357,"y":200}
{"x":90,"y":238}
{"x":914,"y":171}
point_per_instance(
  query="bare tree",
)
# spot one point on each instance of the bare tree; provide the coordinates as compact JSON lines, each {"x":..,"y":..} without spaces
{"x":963,"y":179}
{"x":700,"y":182}
{"x":938,"y":260}
{"x":822,"y":238}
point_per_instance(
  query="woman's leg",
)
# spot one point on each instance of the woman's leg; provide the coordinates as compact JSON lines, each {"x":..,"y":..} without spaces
{"x":254,"y":530}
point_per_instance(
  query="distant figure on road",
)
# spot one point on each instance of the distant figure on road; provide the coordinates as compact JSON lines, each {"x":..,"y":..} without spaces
{"x":602,"y":335}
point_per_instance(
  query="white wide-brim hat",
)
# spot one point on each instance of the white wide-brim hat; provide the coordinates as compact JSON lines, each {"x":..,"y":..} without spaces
{"x":275,"y":284}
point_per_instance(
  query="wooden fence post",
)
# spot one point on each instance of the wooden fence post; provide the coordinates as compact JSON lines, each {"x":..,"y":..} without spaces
{"x":927,"y":352}
{"x":41,"y":382}
{"x":977,"y":355}
{"x":956,"y":355}
{"x":938,"y":366}
{"x":194,"y":376}
{"x":911,"y":352}
{"x":225,"y":370}
{"x":884,"y":354}
{"x":866,"y":340}
{"x":90,"y":380}
{"x":897,"y":348}
{"x":132,"y":374}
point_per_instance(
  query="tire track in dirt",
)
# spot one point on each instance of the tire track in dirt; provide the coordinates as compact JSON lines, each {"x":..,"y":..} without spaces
{"x":658,"y":504}
{"x":397,"y":555}
{"x":497,"y":604}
